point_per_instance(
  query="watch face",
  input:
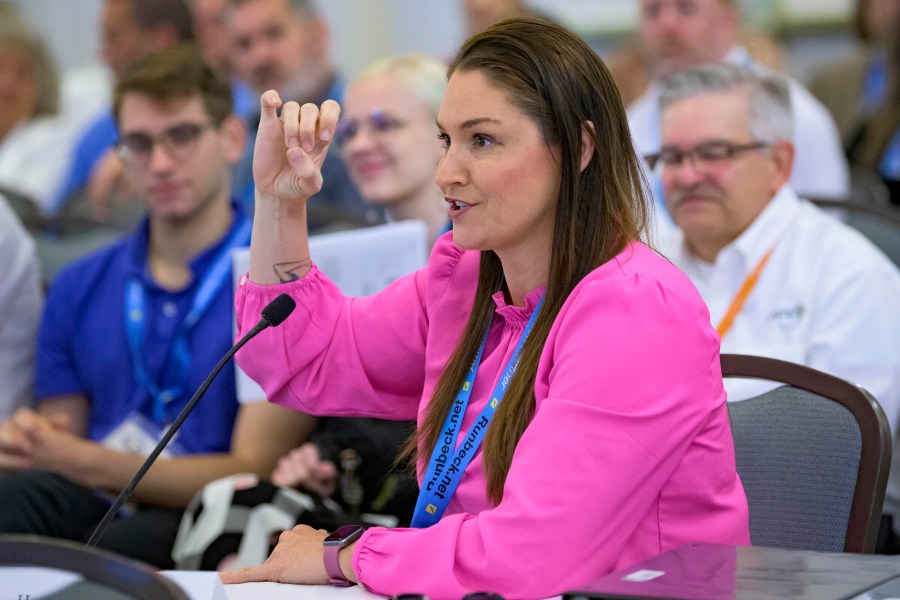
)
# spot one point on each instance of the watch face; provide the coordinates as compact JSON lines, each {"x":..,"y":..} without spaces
{"x":344,"y":535}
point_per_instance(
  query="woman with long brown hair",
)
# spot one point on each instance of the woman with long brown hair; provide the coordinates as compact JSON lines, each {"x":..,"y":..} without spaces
{"x":565,"y":378}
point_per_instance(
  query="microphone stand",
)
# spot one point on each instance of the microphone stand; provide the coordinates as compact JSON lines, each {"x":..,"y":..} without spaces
{"x":266,"y":321}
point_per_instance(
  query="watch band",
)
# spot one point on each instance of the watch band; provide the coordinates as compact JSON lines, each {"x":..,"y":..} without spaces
{"x":333,"y":567}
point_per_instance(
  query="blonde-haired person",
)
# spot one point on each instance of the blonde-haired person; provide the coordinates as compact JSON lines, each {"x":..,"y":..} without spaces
{"x":388,"y":138}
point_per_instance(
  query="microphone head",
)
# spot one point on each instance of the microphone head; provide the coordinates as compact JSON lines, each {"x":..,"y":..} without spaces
{"x":278,"y":310}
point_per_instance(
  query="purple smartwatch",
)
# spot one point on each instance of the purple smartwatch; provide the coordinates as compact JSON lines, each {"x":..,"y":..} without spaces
{"x":339,"y":538}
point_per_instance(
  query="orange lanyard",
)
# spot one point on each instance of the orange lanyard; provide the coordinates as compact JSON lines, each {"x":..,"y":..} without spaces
{"x":740,"y":298}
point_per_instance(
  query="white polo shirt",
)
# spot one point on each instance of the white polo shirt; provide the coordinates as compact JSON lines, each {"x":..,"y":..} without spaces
{"x":827,"y":298}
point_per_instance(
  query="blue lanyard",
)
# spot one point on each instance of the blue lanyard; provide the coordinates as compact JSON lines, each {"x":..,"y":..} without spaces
{"x":178,"y":362}
{"x":445,"y":471}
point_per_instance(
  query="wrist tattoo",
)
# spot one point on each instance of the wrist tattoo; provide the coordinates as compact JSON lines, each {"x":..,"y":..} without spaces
{"x":287,"y":271}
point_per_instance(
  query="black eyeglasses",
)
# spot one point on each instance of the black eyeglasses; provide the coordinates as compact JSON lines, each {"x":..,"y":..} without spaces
{"x":702,"y":154}
{"x":378,"y":122}
{"x":137,"y":148}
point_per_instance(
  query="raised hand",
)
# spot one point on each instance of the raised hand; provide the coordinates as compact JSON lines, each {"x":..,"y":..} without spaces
{"x":291,"y":147}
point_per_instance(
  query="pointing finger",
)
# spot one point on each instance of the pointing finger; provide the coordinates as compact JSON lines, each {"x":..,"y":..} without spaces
{"x":246,"y":574}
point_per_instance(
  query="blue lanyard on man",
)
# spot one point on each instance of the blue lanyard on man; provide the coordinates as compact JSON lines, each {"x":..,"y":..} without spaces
{"x":175,"y":373}
{"x":445,"y":471}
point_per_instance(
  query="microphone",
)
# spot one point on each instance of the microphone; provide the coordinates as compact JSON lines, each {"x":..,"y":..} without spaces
{"x":272,"y":316}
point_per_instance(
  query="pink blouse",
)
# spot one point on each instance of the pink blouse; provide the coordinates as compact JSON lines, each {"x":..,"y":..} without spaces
{"x":629,"y":452}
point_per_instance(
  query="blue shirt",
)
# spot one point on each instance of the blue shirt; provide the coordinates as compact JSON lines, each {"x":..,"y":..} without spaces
{"x":244,"y":101}
{"x":83,"y":349}
{"x":93,"y":144}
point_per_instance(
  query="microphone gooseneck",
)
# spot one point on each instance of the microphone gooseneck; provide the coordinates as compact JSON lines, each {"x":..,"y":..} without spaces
{"x":272,"y":316}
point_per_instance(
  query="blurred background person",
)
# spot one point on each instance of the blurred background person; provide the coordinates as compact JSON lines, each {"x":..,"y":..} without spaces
{"x":34,"y":141}
{"x":863,"y":90}
{"x":214,"y":40}
{"x":129,"y":332}
{"x":876,"y":146}
{"x":781,"y":277}
{"x":677,"y":34}
{"x":284,"y":45}
{"x":21,"y":301}
{"x":130,"y":29}
{"x":853,"y":86}
{"x":630,"y":65}
{"x":388,"y":138}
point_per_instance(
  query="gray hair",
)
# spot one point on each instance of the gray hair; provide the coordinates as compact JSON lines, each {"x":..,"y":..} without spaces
{"x":771,"y":116}
{"x":425,"y":77}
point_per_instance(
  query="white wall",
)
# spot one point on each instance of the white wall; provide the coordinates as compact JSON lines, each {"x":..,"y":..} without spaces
{"x":70,"y":26}
{"x":362,"y":30}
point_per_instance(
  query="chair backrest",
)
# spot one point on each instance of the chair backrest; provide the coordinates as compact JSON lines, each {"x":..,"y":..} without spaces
{"x":102,"y":574}
{"x":813,"y":455}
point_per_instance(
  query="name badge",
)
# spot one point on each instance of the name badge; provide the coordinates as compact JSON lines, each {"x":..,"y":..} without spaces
{"x":139,"y":435}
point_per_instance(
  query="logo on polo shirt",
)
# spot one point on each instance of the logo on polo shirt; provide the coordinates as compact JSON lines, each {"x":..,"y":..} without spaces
{"x":787,"y":317}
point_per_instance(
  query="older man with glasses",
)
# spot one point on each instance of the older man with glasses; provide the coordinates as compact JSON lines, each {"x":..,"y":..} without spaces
{"x":780,"y":277}
{"x":130,"y":332}
{"x":678,"y":34}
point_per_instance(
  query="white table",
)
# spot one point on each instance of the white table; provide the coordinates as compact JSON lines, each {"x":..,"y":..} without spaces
{"x":280,"y":591}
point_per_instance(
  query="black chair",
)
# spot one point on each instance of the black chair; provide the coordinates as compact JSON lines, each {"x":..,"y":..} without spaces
{"x":105,"y":575}
{"x":813,"y":455}
{"x":61,"y":239}
{"x":24,"y":206}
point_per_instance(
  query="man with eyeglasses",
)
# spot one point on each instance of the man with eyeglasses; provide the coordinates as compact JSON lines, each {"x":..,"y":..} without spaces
{"x":780,"y":277}
{"x":678,"y":34}
{"x":130,"y":332}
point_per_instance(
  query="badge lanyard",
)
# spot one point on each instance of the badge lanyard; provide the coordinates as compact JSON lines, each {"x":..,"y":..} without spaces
{"x":737,"y":303}
{"x":445,"y":470}
{"x":175,"y":374}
